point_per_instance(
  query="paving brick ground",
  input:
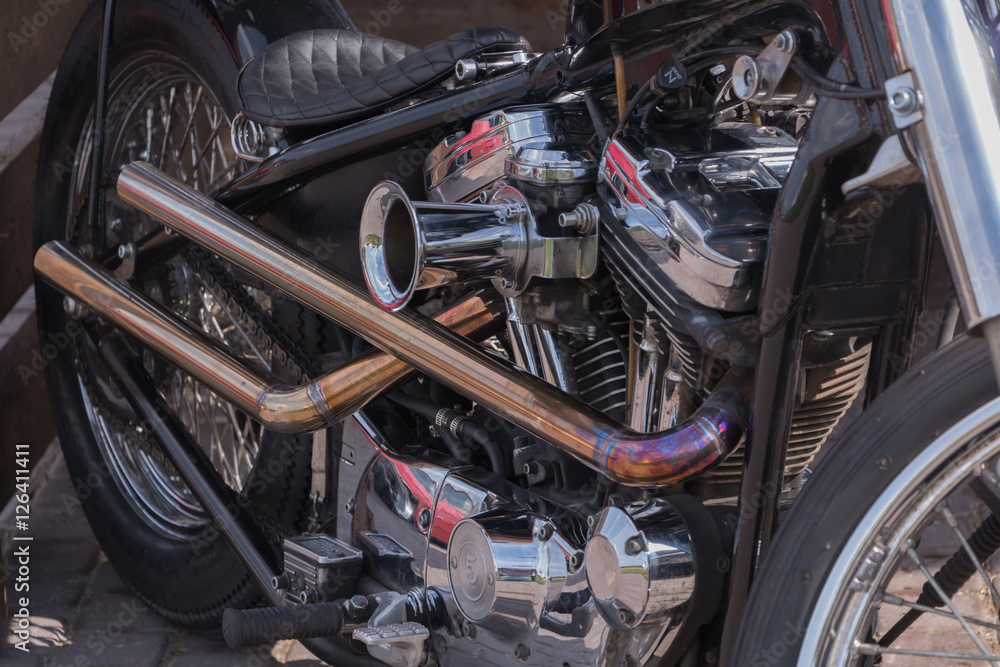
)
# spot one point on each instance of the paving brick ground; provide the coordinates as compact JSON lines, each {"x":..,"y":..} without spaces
{"x":82,"y":615}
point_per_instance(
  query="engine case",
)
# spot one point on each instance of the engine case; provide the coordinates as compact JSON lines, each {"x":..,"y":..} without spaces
{"x":511,"y":567}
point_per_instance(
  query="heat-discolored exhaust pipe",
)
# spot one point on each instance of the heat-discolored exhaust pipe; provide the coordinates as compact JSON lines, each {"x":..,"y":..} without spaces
{"x":288,"y":409}
{"x":626,"y":456}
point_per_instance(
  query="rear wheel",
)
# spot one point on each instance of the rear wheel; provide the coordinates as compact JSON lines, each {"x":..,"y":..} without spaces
{"x":885,"y":557}
{"x":170,"y":101}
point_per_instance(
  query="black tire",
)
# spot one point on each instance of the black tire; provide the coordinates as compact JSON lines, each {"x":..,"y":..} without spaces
{"x":870,"y":455}
{"x":191,"y":578}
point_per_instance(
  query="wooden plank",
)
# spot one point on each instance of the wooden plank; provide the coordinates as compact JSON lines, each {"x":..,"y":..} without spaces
{"x":33,"y":34}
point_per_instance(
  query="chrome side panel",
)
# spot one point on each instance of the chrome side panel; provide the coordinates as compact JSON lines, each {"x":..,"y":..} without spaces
{"x":944,"y":45}
{"x":465,"y":163}
{"x":396,"y":490}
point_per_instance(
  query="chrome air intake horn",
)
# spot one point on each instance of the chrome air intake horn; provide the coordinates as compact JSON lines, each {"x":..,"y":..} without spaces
{"x":409,"y":245}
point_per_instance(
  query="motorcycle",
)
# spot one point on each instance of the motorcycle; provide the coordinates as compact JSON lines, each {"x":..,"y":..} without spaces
{"x":472,"y":352}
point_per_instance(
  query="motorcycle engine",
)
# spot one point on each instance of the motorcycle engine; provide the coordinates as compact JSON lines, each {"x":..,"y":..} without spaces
{"x":557,"y":564}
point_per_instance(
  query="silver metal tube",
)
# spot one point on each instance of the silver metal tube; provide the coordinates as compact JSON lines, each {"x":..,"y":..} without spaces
{"x":531,"y":403}
{"x":288,"y":409}
{"x":944,"y":44}
{"x":556,"y":360}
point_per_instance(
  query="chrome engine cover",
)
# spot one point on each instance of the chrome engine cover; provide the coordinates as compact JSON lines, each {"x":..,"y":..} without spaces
{"x":538,"y":144}
{"x":692,"y":209}
{"x":511,"y":567}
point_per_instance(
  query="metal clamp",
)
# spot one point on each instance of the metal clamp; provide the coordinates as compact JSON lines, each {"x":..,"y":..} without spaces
{"x":905,"y":102}
{"x":757,"y":79}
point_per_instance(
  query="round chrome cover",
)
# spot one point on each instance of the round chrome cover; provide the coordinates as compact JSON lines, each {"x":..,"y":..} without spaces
{"x":506,"y":567}
{"x":473,"y":571}
{"x":640,"y":565}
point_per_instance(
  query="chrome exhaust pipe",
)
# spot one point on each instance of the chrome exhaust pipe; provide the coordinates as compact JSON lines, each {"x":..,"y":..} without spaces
{"x":409,"y":245}
{"x":624,"y":455}
{"x":287,"y":409}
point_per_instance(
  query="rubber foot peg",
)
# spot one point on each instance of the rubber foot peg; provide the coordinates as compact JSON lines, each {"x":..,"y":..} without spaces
{"x":270,"y":624}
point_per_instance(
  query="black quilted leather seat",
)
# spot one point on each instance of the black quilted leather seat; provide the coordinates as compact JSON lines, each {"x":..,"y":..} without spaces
{"x":334,"y":76}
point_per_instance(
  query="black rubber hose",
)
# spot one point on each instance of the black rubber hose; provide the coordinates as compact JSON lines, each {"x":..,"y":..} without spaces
{"x":429,"y":412}
{"x":269,"y":624}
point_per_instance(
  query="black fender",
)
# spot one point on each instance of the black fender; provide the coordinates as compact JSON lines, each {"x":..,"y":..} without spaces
{"x":250,"y":25}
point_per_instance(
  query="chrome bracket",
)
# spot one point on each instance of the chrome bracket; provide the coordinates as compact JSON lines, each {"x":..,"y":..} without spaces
{"x":890,"y":166}
{"x":399,"y":644}
{"x":757,"y":79}
{"x":390,"y":638}
{"x":544,"y":256}
{"x":905,"y":102}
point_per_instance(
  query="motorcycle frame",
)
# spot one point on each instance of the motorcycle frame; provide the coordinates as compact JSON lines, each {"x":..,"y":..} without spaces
{"x":809,"y":282}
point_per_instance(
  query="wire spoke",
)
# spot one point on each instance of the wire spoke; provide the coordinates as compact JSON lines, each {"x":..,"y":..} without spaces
{"x":915,"y":557}
{"x":900,"y":602}
{"x":953,"y":522}
{"x":865,"y":648}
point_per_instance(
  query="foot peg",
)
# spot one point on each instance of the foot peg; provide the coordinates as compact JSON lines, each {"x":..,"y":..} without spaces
{"x":306,"y":621}
{"x":398,"y":644}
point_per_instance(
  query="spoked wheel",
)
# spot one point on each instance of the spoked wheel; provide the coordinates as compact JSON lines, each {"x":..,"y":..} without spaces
{"x":886,"y":557}
{"x":169,"y":103}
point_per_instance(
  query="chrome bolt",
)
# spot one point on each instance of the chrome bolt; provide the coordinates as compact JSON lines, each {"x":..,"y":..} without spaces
{"x":73,"y":308}
{"x":625,"y":616}
{"x":576,"y":560}
{"x":507,"y":283}
{"x":521,"y":652}
{"x":465,"y":69}
{"x":785,"y":41}
{"x":115,"y":226}
{"x":904,"y":101}
{"x":544,"y":531}
{"x":280,"y":582}
{"x":309,"y":596}
{"x":633,"y":545}
{"x":424,"y":519}
{"x":489,"y":579}
{"x":126,"y":251}
{"x":591,"y":520}
{"x":468,"y":630}
{"x":454,"y":562}
{"x":349,"y":506}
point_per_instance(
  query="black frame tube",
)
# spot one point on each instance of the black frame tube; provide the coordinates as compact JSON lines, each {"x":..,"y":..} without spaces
{"x":220,"y":501}
{"x":192,"y":464}
{"x":313,"y":157}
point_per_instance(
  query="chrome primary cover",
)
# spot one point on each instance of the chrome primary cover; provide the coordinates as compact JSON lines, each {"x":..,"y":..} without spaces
{"x":542,"y":144}
{"x":510,"y":567}
{"x":693,"y":210}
